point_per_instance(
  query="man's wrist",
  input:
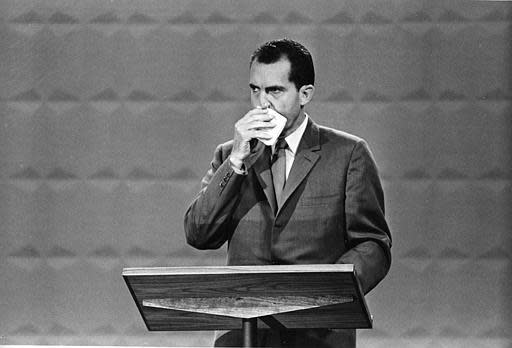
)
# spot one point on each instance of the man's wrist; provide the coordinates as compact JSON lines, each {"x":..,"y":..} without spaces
{"x":238,"y":166}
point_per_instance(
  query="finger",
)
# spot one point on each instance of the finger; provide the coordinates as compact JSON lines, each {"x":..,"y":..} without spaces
{"x":261,"y":134}
{"x":257,"y":117}
{"x":260,"y":125}
{"x":254,"y":125}
{"x":243,"y":126}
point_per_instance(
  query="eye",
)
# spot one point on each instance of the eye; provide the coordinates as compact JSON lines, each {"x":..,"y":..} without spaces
{"x":254,"y":89}
{"x":275,"y":91}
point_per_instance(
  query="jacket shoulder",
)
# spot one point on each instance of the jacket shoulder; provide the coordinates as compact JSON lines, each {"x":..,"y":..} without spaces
{"x":339,"y":138}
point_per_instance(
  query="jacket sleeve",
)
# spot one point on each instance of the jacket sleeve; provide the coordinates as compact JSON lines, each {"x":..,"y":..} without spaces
{"x":368,"y":236}
{"x":208,"y":218}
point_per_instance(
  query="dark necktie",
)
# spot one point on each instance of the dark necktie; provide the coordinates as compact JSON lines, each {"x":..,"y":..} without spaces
{"x":279,"y":169}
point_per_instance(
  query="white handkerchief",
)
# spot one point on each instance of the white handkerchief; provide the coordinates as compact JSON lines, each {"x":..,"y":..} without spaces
{"x":280,"y":121}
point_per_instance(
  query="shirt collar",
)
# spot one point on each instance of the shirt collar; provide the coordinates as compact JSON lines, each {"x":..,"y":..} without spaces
{"x":293,"y":139}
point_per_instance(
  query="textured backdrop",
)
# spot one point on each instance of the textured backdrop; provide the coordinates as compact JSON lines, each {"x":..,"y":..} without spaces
{"x":110,"y":112}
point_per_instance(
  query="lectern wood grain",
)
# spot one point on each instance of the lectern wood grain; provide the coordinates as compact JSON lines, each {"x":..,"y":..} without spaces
{"x":324,"y":296}
{"x":246,"y":307}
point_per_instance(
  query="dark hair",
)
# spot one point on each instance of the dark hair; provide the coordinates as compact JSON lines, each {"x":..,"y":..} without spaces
{"x":302,"y":71}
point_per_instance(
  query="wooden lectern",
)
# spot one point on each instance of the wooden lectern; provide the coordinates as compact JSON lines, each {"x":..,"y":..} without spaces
{"x":235,"y":297}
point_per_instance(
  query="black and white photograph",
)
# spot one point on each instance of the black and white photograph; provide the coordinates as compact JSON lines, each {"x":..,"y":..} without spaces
{"x":256,"y":173}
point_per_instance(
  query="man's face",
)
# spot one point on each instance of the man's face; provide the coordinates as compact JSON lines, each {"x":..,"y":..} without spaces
{"x":270,"y":85}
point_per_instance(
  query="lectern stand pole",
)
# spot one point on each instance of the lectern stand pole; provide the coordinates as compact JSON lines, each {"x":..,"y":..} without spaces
{"x":250,"y":328}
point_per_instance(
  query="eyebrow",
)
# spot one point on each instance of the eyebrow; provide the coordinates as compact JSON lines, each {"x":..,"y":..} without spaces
{"x":269,"y":88}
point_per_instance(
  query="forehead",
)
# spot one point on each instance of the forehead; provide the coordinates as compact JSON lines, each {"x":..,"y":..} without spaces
{"x":277,"y":73}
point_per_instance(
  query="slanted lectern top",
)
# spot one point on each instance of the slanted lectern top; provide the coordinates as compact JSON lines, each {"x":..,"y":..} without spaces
{"x":217,"y":298}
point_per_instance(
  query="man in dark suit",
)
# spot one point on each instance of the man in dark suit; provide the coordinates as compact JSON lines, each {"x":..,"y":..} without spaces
{"x":326,"y":207}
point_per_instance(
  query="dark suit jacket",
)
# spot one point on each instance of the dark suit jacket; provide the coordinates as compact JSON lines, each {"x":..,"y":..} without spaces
{"x":333,"y":210}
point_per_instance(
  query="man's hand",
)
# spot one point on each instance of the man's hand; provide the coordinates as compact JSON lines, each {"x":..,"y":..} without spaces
{"x":254,"y":125}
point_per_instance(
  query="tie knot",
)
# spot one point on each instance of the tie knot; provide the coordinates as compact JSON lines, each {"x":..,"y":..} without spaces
{"x":279,"y":150}
{"x":281,"y":144}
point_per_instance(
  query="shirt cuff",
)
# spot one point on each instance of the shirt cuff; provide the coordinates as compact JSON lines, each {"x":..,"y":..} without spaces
{"x":240,"y":170}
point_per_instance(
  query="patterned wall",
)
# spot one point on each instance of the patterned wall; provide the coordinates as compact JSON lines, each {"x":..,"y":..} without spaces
{"x":110,"y":111}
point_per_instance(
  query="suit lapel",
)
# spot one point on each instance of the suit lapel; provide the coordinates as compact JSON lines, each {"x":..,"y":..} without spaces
{"x":264,"y":175}
{"x":305,"y":158}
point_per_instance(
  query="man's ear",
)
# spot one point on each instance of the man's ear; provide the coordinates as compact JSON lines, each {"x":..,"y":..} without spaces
{"x":306,"y":93}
